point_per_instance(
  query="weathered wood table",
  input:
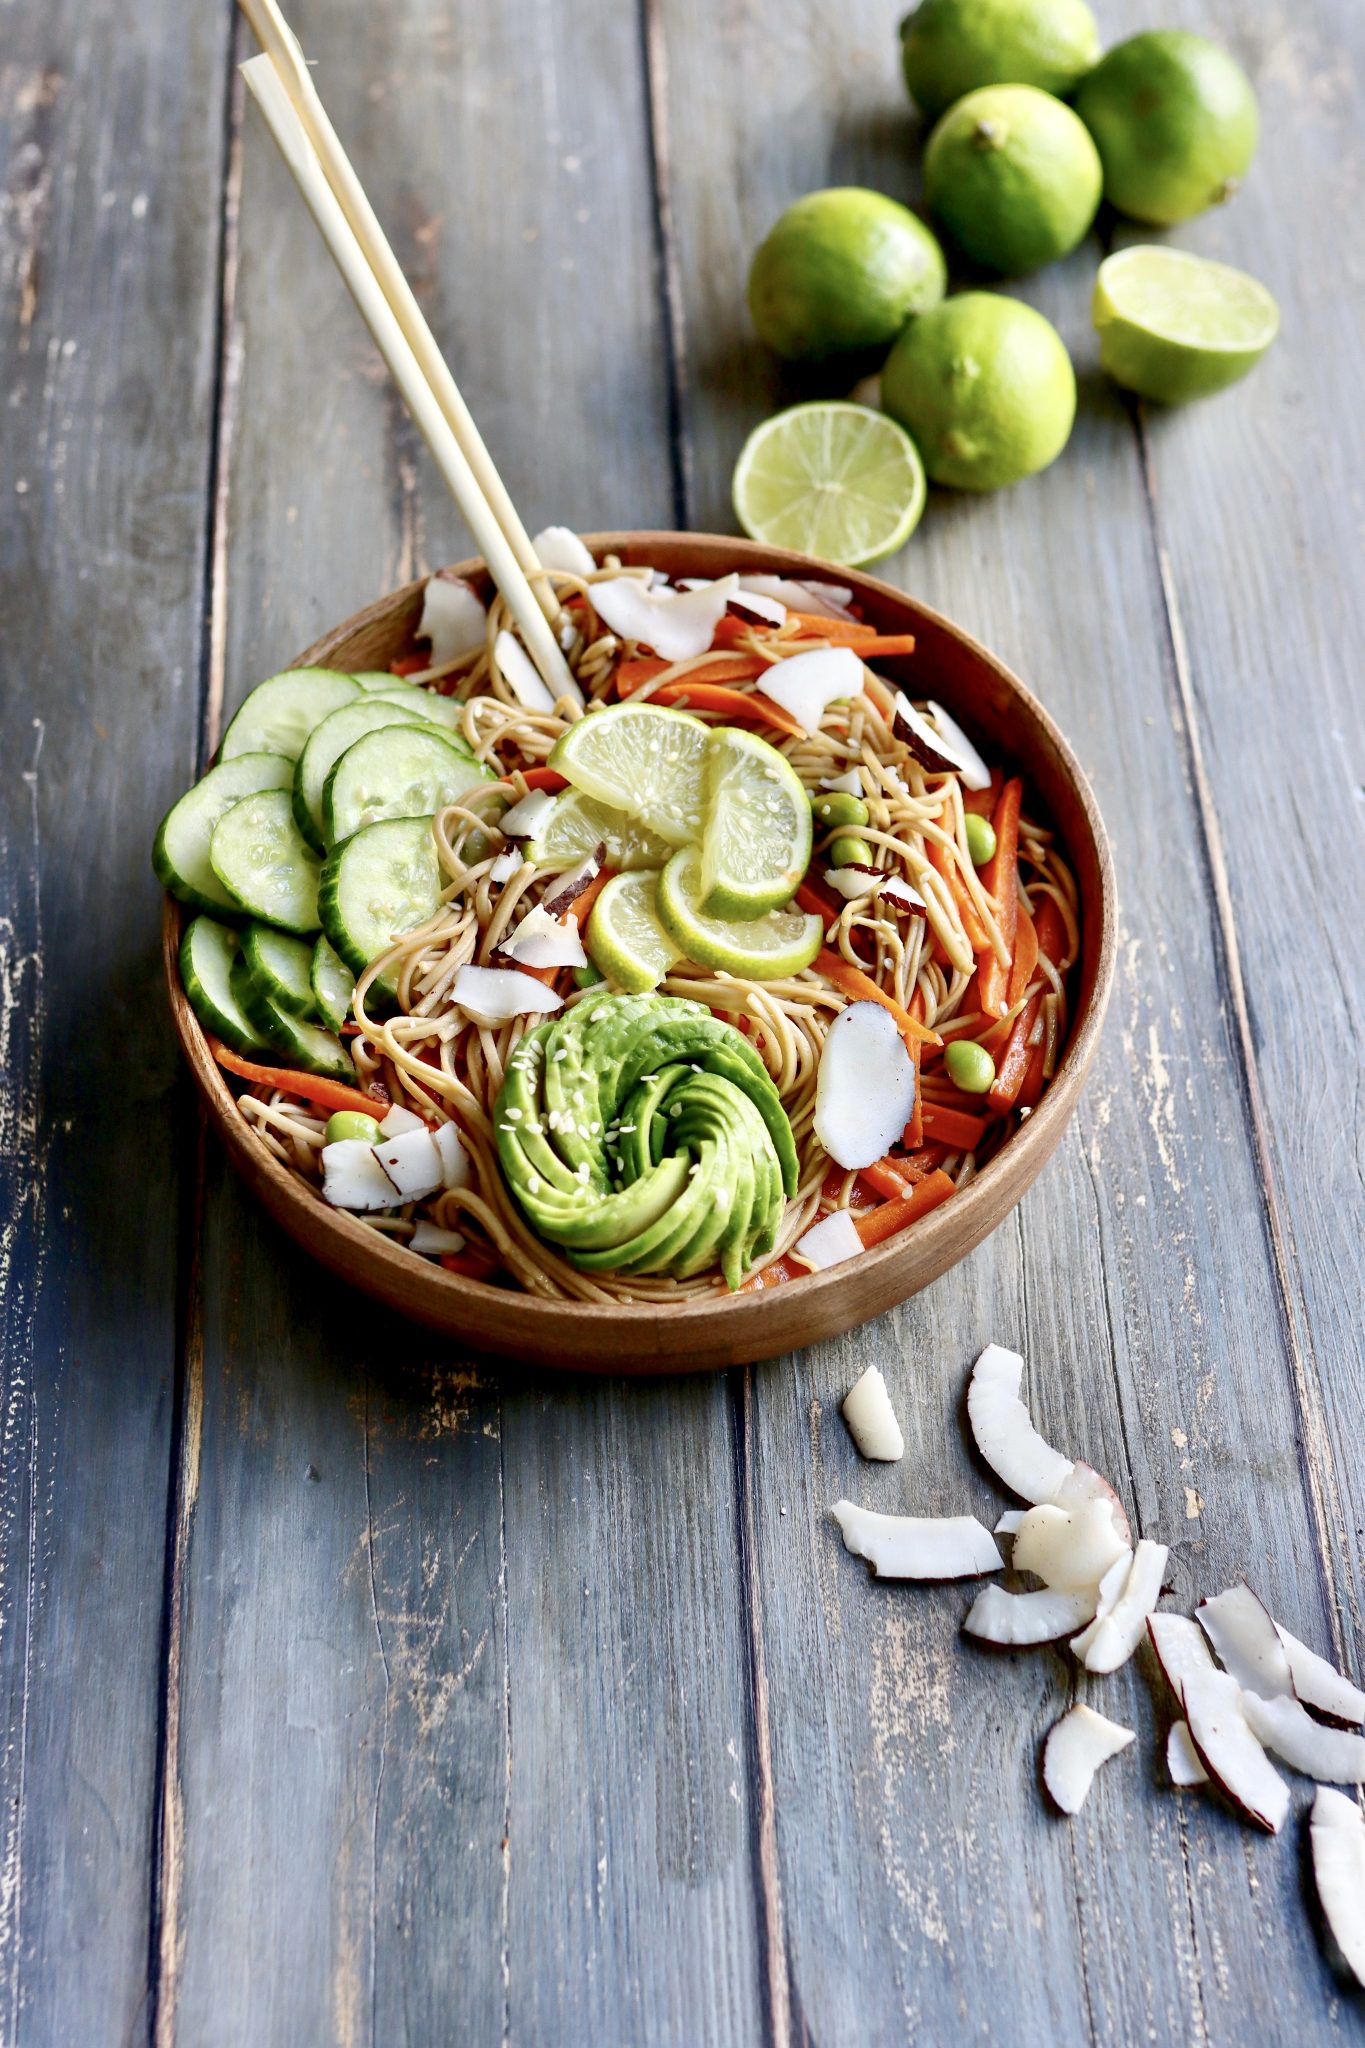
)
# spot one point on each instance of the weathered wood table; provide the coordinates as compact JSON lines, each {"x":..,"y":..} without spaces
{"x":357,"y":1691}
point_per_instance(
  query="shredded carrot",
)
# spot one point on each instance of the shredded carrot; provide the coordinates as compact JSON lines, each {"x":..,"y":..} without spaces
{"x":774,"y":1275}
{"x":999,"y":877}
{"x":1013,"y":1064}
{"x":914,"y":1130}
{"x":863,"y":1194}
{"x":542,"y":778}
{"x":1025,"y":958}
{"x":1032,"y":1088}
{"x":328,"y":1095}
{"x":739,"y":706}
{"x":863,"y":989}
{"x":409,"y":664}
{"x":726,"y":668}
{"x":854,"y":633}
{"x":944,"y":865}
{"x":886,"y":1179}
{"x":473,"y":1263}
{"x":954,"y":1127}
{"x":879,"y":1224}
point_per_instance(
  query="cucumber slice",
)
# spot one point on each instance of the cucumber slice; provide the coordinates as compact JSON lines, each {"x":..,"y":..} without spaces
{"x":384,"y":880}
{"x":259,"y":855}
{"x":324,"y":748}
{"x":208,"y":952}
{"x":280,"y":713}
{"x":180,"y":853}
{"x":379,"y":679}
{"x":407,"y":771}
{"x":281,"y":967}
{"x":303,"y":1045}
{"x":447,"y":712}
{"x":333,"y":984}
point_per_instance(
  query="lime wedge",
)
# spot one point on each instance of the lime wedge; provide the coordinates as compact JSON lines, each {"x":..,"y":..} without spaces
{"x":641,"y":759}
{"x":579,"y":823}
{"x":625,"y":938}
{"x":831,"y":478}
{"x":757,"y":949}
{"x":756,"y":840}
{"x":1174,"y":326}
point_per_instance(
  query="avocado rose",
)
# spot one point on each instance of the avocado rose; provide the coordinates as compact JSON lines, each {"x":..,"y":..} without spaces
{"x":642,"y":1135}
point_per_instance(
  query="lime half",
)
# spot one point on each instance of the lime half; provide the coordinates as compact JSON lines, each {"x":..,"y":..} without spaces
{"x":833,"y":479}
{"x":756,"y":841}
{"x":579,"y":823}
{"x":757,"y":949}
{"x":642,"y":759}
{"x":627,"y":942}
{"x":1174,"y":326}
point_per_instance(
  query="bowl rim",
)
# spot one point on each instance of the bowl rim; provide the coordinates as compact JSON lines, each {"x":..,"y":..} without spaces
{"x":535,"y":1316}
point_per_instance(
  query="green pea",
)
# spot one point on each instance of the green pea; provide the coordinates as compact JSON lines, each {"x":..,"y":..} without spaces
{"x":980,"y":839}
{"x":587,"y":977}
{"x":351,"y":1123}
{"x":839,"y":808}
{"x":848,"y":852}
{"x":970,"y":1067}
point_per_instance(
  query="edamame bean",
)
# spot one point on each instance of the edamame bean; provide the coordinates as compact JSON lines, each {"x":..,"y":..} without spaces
{"x":980,"y":839}
{"x":588,"y":976}
{"x":969,"y":1066}
{"x":838,"y":807}
{"x":351,"y":1123}
{"x":850,"y":852}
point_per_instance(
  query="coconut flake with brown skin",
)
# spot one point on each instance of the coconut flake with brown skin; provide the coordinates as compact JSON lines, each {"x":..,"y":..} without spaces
{"x":1182,"y":1758}
{"x":1242,"y":1633}
{"x":1076,"y":1747}
{"x":540,"y":940}
{"x":1180,"y":1648}
{"x":564,"y":891}
{"x":865,"y":1089}
{"x":918,"y":1546}
{"x":1320,"y":1685}
{"x":1229,"y":1751}
{"x":942,"y":747}
{"x":1337,"y":1834}
{"x":1004,"y":1435}
{"x":1331,"y":1755}
{"x":872,"y":1420}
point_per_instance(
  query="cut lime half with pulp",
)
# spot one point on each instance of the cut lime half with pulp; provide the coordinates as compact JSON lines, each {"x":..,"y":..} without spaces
{"x":579,"y":823}
{"x":756,"y":949}
{"x":642,"y":759}
{"x":833,"y":479}
{"x":756,"y":840}
{"x":1174,"y":326}
{"x":627,"y":942}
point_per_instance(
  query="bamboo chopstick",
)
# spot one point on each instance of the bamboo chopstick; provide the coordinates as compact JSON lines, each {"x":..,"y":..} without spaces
{"x":269,"y":91}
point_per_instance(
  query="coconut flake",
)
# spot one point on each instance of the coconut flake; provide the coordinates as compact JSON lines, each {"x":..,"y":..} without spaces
{"x":1180,"y":1648}
{"x":540,"y":940}
{"x":918,"y":1546}
{"x":807,"y":684}
{"x":454,"y":1159}
{"x":1004,"y":1435}
{"x":1230,"y":1753}
{"x":432,"y":1242}
{"x":826,"y":600}
{"x":397,"y":1120}
{"x":1182,"y":1758}
{"x":1022,"y":1620}
{"x":506,"y":864}
{"x":566,"y":889}
{"x":352,"y":1177}
{"x":1067,"y":1550}
{"x":1242,"y":1633}
{"x":896,"y":891}
{"x":1330,"y":1755}
{"x":1075,"y":1748}
{"x":1320,"y":1685}
{"x":677,"y":625}
{"x":523,"y":678}
{"x":1008,"y":1525}
{"x":412,"y":1163}
{"x":942,"y":747}
{"x":559,"y":548}
{"x":865,"y":1090}
{"x":850,"y":784}
{"x":853,"y":881}
{"x":765,"y":608}
{"x":522,"y":820}
{"x":872,"y":1420}
{"x":1337,"y":1833}
{"x":830,"y":1241}
{"x":495,"y":995}
{"x":1083,"y":1483}
{"x":453,"y":618}
{"x":1117,"y":1629}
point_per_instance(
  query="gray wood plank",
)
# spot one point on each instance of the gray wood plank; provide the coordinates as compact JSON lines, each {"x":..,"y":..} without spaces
{"x":910,"y":1833}
{"x":110,"y":144}
{"x":449,"y":1695}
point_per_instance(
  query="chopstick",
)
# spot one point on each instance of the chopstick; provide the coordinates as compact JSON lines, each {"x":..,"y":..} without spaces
{"x":268,"y":89}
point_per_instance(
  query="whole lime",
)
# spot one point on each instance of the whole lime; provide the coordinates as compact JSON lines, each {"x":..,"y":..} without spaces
{"x":1013,"y":176}
{"x":842,"y":270}
{"x":949,"y":47}
{"x":1174,"y":119}
{"x":984,"y":386}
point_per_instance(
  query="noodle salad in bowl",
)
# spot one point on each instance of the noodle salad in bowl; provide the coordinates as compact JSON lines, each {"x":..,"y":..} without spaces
{"x":723,"y":966}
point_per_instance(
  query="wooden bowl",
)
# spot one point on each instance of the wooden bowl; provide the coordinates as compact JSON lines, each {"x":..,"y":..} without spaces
{"x":1007,"y":722}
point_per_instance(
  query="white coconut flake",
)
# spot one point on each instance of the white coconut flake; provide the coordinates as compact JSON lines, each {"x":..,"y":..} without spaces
{"x":397,"y":1120}
{"x":524,"y":679}
{"x":865,"y":1088}
{"x":853,"y":883}
{"x":559,"y":548}
{"x":1230,"y":1753}
{"x":352,"y":1177}
{"x":541,"y":940}
{"x":918,"y":1546}
{"x":850,"y":784}
{"x":431,"y":1242}
{"x":872,"y":1420}
{"x":495,"y":995}
{"x":455,"y":1165}
{"x":675,"y":624}
{"x":1331,"y":1755}
{"x":1022,"y":1620}
{"x":1118,"y":1627}
{"x":900,"y":894}
{"x":1319,"y":1684}
{"x":765,"y":608}
{"x":1182,"y":1758}
{"x":807,"y":684}
{"x":1004,"y":1435}
{"x":826,"y":600}
{"x":1337,"y":1834}
{"x":412,"y":1163}
{"x":523,"y":820}
{"x":453,"y":618}
{"x":506,"y":864}
{"x":1242,"y":1633}
{"x":1064,"y":1550}
{"x":1180,"y":1649}
{"x":1075,"y":1748}
{"x":830,"y":1241}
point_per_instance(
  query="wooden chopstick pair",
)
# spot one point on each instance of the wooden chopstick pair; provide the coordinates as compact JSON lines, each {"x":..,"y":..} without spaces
{"x":282,"y":87}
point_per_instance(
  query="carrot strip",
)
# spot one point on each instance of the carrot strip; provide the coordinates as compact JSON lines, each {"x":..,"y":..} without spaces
{"x":860,"y":1196}
{"x":750,"y":706}
{"x":953,"y":1127}
{"x":999,"y":879}
{"x":914,"y":1130}
{"x":854,"y":633}
{"x":966,"y":909}
{"x":542,"y":778}
{"x":329,"y":1095}
{"x":409,"y":664}
{"x":863,"y":989}
{"x":1013,"y":1065}
{"x":725,"y":668}
{"x":1025,"y":958}
{"x":773,"y":1276}
{"x":474,"y":1263}
{"x":879,"y":1224}
{"x":582,"y":905}
{"x":1032,"y":1089}
{"x":886,"y":1179}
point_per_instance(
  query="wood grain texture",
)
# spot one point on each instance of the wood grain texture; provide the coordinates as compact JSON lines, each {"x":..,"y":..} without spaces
{"x":110,"y":143}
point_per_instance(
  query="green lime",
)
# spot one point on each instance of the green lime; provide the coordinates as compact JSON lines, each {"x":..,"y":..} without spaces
{"x":1013,"y":176}
{"x":832,"y":479}
{"x":625,"y":937}
{"x":949,"y":47}
{"x":642,"y":759}
{"x":1174,"y":119}
{"x":842,"y":270}
{"x":579,"y":823}
{"x":756,"y":841}
{"x":757,"y":949}
{"x":1174,"y":326}
{"x":986,"y":387}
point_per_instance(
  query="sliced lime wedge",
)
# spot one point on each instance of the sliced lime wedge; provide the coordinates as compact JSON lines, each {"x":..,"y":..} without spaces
{"x":756,"y":840}
{"x":833,"y":479}
{"x":1174,"y":326}
{"x":641,"y":759}
{"x":625,"y":938}
{"x":578,"y":823}
{"x":757,"y":949}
